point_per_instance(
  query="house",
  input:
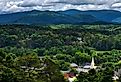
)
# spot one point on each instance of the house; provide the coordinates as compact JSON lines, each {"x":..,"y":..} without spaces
{"x":115,"y":77}
{"x":70,"y":76}
{"x":74,"y":65}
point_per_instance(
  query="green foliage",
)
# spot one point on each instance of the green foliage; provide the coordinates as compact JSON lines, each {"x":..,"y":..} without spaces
{"x":22,"y":45}
{"x":29,"y":68}
{"x":93,"y":76}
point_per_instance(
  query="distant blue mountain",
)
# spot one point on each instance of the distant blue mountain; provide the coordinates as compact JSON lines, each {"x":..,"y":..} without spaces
{"x":62,"y":17}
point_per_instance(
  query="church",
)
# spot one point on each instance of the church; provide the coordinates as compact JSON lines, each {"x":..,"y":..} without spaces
{"x":90,"y":65}
{"x":86,"y":67}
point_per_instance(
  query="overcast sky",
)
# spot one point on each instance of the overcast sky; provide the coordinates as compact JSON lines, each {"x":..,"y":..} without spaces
{"x":9,"y":6}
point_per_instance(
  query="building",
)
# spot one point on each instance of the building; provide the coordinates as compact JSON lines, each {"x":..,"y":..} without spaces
{"x":74,"y":65}
{"x":115,"y":77}
{"x":70,"y":76}
{"x":91,"y":65}
{"x":87,"y":66}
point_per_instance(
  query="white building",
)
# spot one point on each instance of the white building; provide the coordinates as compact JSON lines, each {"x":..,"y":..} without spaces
{"x":74,"y":65}
{"x":87,"y":66}
{"x":91,"y":65}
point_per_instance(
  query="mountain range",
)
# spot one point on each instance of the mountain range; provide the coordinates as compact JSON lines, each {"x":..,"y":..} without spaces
{"x":62,"y":17}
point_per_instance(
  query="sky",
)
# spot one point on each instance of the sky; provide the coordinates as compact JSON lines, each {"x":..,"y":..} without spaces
{"x":10,"y":6}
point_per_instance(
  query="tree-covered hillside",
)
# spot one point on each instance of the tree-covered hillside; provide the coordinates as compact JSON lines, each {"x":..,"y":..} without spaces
{"x":71,"y":16}
{"x":100,"y":37}
{"x":57,"y":46}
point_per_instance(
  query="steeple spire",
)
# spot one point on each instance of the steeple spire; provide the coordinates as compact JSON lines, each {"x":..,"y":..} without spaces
{"x":92,"y":64}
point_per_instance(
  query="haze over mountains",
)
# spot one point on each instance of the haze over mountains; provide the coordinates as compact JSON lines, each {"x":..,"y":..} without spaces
{"x":62,"y":17}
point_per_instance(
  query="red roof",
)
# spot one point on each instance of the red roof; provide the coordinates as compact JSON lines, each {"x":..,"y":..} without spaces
{"x":69,"y":75}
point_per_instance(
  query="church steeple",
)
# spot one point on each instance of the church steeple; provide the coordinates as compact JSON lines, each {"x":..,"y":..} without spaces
{"x":92,"y":64}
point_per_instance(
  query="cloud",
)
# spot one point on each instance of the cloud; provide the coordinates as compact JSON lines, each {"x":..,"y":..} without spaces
{"x":74,"y":2}
{"x":31,"y":3}
{"x":85,"y":7}
{"x":9,"y":6}
{"x":116,"y":5}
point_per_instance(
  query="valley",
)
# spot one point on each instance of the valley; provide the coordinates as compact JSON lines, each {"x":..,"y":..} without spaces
{"x":42,"y":53}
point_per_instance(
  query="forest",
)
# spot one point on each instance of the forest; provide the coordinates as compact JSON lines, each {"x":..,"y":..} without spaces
{"x":58,"y":46}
